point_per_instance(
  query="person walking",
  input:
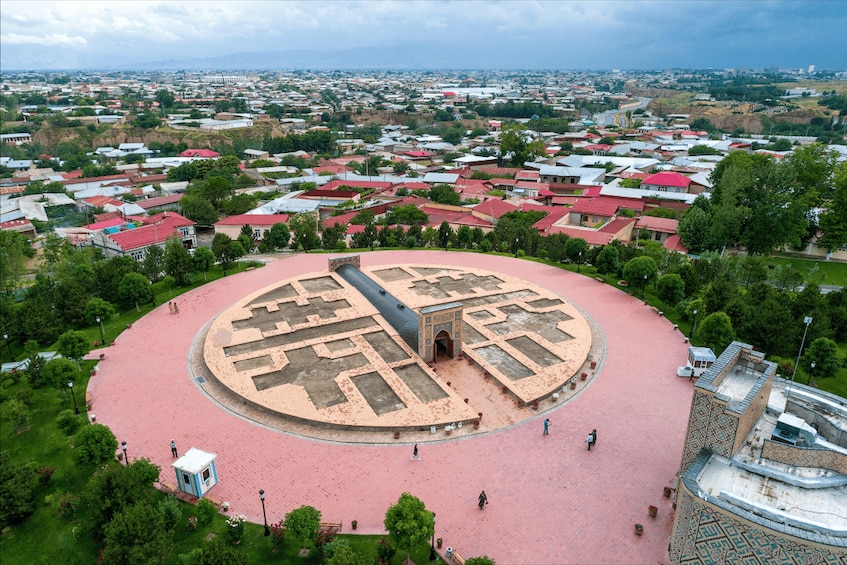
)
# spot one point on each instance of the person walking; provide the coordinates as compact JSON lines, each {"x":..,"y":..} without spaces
{"x":594,"y":437}
{"x":590,"y":440}
{"x":171,"y":307}
{"x":173,"y":449}
{"x":483,"y":500}
{"x":176,"y":310}
{"x":415,"y":456}
{"x":546,"y":426}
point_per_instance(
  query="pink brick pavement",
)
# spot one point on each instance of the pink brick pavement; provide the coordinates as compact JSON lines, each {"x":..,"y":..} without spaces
{"x":551,"y":501}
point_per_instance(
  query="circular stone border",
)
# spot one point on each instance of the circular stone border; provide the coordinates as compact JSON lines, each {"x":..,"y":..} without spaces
{"x":559,"y":382}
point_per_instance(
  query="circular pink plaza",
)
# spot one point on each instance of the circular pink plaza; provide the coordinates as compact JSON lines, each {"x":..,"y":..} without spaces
{"x":551,"y":500}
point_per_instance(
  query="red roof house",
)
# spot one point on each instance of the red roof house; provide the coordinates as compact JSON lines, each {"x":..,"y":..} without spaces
{"x":666,"y":181}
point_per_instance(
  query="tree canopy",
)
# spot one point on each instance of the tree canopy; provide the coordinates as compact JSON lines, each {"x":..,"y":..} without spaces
{"x":409,"y":523}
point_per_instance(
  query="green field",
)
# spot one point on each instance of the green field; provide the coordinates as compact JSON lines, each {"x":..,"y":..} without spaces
{"x":820,"y":272}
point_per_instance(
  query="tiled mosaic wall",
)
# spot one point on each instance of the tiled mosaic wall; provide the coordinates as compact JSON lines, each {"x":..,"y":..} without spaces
{"x":705,"y":535}
{"x":805,"y":456}
{"x":709,"y":424}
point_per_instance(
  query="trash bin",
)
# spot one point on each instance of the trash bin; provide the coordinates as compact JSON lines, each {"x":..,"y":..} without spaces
{"x":449,"y":553}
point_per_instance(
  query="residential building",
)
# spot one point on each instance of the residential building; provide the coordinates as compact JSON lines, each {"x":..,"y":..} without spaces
{"x":134,"y":239}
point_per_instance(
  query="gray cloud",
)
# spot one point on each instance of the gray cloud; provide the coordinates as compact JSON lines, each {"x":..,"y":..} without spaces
{"x":483,"y":33}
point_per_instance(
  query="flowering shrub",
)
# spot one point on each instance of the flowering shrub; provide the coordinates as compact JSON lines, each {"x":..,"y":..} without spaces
{"x":277,"y":534}
{"x":45,"y":474}
{"x":192,"y":523}
{"x":68,"y":504}
{"x":235,"y":527}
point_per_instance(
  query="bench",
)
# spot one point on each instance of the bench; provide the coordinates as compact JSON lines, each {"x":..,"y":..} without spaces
{"x":458,"y":559}
{"x":167,"y":487}
{"x":601,"y":279}
{"x":332,"y":527}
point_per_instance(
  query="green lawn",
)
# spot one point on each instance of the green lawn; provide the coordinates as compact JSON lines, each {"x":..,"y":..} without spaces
{"x":829,"y":273}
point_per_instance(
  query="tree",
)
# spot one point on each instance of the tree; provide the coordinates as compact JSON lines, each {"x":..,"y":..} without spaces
{"x":165,"y":99}
{"x":17,"y":490}
{"x":409,"y":523}
{"x":444,"y":194}
{"x":220,"y":248}
{"x":73,"y":345}
{"x":445,"y":234}
{"x":109,"y":273}
{"x":135,"y":289}
{"x":305,"y":237}
{"x":198,"y":210}
{"x":178,"y":262}
{"x":117,"y":487}
{"x":239,"y":203}
{"x":576,"y":250}
{"x":94,"y":444}
{"x":204,"y":259}
{"x":824,"y":353}
{"x":670,"y":288}
{"x":98,"y":308}
{"x":278,"y":236}
{"x":303,"y":523}
{"x":407,"y":215}
{"x":786,"y":277}
{"x":640,"y":271}
{"x":695,"y":229}
{"x":333,"y":236}
{"x":833,"y":220}
{"x":15,"y":250}
{"x":137,"y":534}
{"x":216,"y":552}
{"x":608,"y":260}
{"x":58,"y":372}
{"x":716,"y":331}
{"x":514,"y":145}
{"x":153,"y":263}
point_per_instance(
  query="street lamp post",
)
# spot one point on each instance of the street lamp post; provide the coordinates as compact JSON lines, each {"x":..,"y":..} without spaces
{"x":71,"y":387}
{"x":812,"y":374}
{"x":126,"y":458}
{"x":102,"y":331}
{"x":432,"y":556}
{"x":9,"y":345}
{"x":264,"y":514}
{"x":808,"y":321}
{"x":694,"y":325}
{"x":644,"y":286}
{"x":579,"y":262}
{"x":517,"y":243}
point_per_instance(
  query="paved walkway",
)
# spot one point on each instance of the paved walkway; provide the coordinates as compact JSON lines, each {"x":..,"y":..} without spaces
{"x":551,"y":501}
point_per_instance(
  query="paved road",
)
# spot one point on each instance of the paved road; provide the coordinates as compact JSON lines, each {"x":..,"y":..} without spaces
{"x":551,"y":501}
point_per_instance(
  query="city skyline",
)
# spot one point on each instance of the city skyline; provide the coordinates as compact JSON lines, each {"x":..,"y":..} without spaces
{"x":425,"y":34}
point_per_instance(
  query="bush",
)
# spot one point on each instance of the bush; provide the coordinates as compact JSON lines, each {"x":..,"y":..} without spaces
{"x":15,"y":412}
{"x":24,"y":394}
{"x":205,"y":512}
{"x":65,"y":503}
{"x":330,"y":548}
{"x":17,"y":486}
{"x":68,"y":422}
{"x":170,"y":511}
{"x":44,"y":475}
{"x":94,"y":444}
{"x":384,"y":550}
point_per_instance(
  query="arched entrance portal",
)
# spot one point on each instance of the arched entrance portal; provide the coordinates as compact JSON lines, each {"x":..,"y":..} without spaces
{"x":442,"y":346}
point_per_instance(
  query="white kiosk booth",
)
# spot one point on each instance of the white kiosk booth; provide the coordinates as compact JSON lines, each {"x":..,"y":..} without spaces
{"x":196,"y":472}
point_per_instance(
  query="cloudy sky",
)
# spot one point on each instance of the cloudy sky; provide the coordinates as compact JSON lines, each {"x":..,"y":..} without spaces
{"x":471,"y":34}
